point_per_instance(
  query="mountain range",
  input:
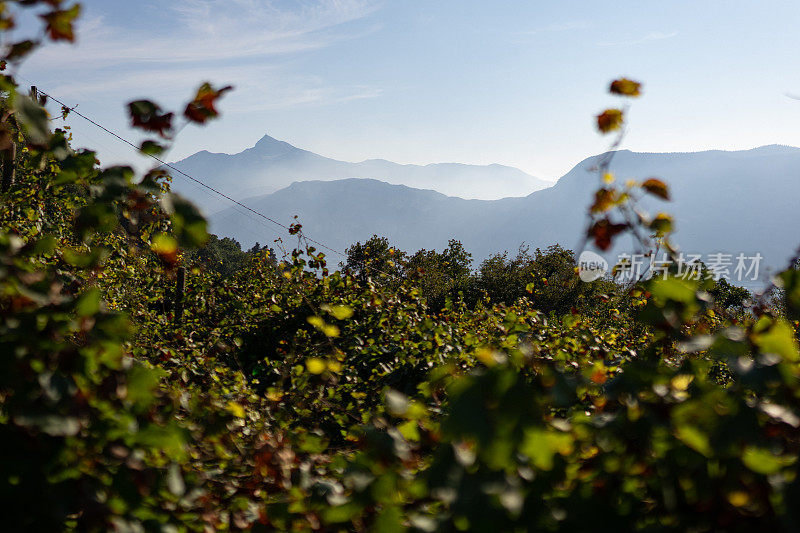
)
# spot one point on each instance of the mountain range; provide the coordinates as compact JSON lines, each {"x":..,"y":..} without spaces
{"x":723,"y":202}
{"x":271,"y":165}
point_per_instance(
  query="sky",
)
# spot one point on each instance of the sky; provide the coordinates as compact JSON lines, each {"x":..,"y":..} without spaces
{"x":423,"y":81}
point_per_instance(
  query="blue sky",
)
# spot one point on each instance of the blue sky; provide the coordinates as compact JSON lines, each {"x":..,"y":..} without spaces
{"x":419,"y":81}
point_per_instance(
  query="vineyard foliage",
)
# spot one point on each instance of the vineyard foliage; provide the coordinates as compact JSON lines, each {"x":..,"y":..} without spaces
{"x":155,"y":378}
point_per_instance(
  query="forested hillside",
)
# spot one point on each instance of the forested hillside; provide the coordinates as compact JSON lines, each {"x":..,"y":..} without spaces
{"x":156,"y":378}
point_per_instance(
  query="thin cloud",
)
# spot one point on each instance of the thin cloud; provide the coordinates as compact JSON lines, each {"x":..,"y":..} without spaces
{"x":214,"y":30}
{"x":559,"y":27}
{"x":247,"y":43}
{"x":526,"y":37}
{"x":650,"y":37}
{"x":261,"y":88}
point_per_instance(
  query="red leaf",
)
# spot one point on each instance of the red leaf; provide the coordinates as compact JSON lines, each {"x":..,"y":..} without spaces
{"x":201,"y":109}
{"x":603,"y":233}
{"x":609,"y":120}
{"x":149,"y":117}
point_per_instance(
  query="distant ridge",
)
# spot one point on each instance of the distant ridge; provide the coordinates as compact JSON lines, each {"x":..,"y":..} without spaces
{"x":728,"y":202}
{"x":272,"y":164}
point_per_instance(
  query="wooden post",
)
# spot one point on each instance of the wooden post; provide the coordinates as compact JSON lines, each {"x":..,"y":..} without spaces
{"x":38,"y":97}
{"x":9,"y":166}
{"x":180,"y":286}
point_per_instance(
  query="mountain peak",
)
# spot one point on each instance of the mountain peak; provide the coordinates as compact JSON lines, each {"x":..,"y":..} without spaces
{"x":273,"y":146}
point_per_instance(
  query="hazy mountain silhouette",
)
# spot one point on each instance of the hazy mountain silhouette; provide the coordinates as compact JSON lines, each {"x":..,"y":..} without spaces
{"x":732,"y":202}
{"x":272,"y":165}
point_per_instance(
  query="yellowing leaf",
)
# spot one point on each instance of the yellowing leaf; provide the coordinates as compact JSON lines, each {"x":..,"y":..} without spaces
{"x":164,"y":244}
{"x":681,"y":382}
{"x":486,"y":356}
{"x":341,"y":312}
{"x":409,"y":430}
{"x":603,"y":201}
{"x":328,"y":329}
{"x":315,"y":321}
{"x":235,"y":409}
{"x":315,"y":365}
{"x":626,"y":87}
{"x":656,"y":187}
{"x":274,"y":395}
{"x":738,"y":498}
{"x":60,"y":23}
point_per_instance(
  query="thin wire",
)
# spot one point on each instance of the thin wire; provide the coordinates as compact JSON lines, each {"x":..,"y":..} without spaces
{"x":200,"y":182}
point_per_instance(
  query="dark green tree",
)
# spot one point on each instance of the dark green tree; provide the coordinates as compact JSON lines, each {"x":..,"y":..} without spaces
{"x":443,"y":275}
{"x":373,"y":259}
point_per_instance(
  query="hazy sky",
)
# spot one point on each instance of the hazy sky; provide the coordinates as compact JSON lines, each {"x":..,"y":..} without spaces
{"x":420,"y":81}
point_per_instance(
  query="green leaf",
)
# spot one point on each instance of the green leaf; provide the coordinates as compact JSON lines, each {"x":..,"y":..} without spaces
{"x":777,"y":338}
{"x":389,"y":520}
{"x":541,"y":446}
{"x":694,"y":439}
{"x":77,"y":166}
{"x":88,"y":303}
{"x":141,"y":384}
{"x":341,"y":513}
{"x":674,"y":289}
{"x":790,"y":281}
{"x":662,"y":224}
{"x":763,"y":461}
{"x":170,"y":439}
{"x":96,"y":218}
{"x":409,"y":430}
{"x":188,"y":224}
{"x":33,"y":119}
{"x":151,"y":148}
{"x":45,"y":245}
